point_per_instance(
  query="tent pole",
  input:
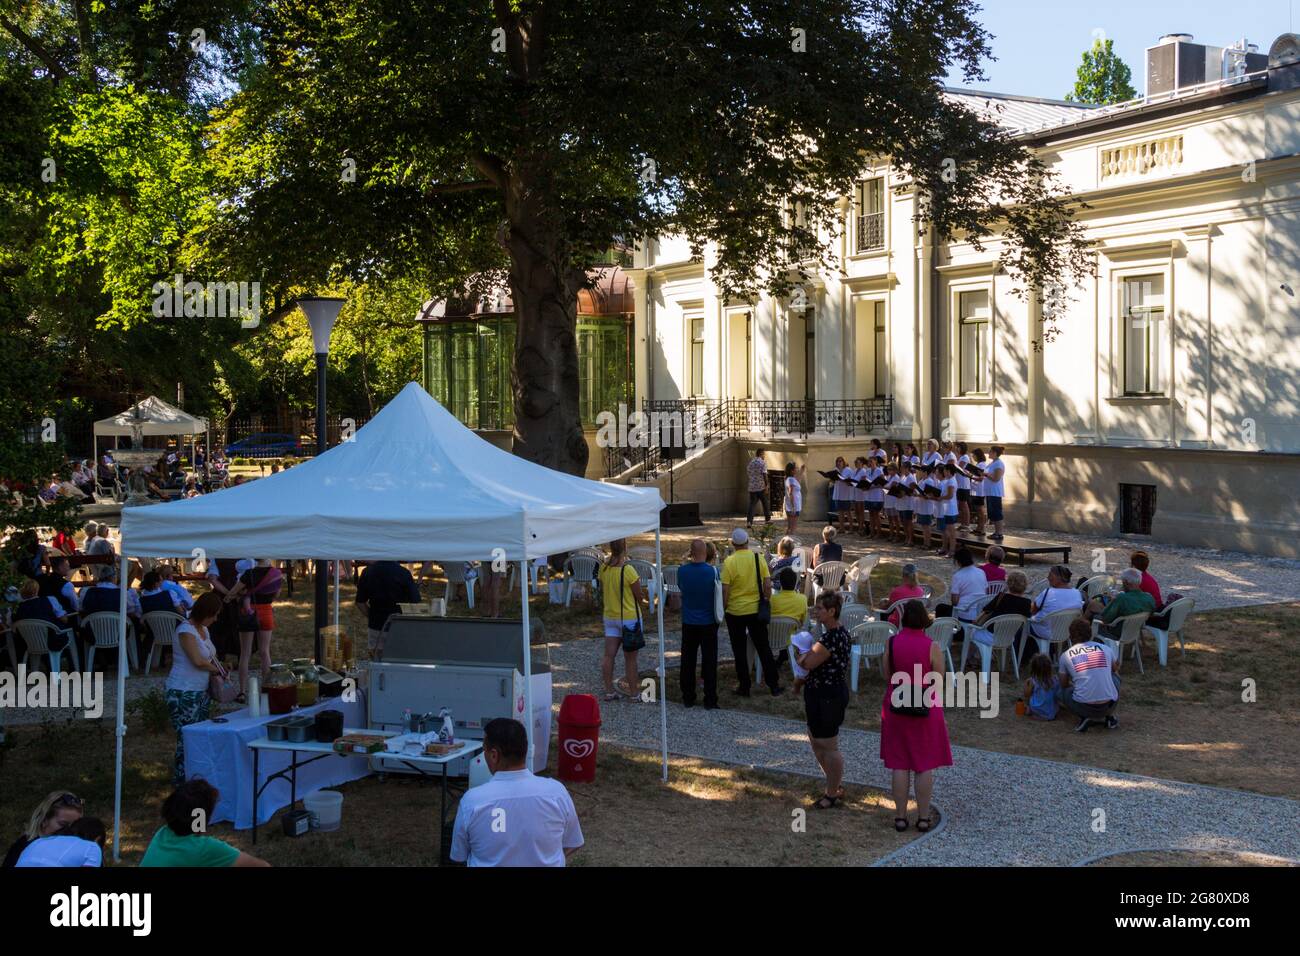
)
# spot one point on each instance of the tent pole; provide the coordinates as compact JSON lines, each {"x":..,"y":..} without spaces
{"x":122,"y":658}
{"x":336,"y":597}
{"x":663,"y":670}
{"x":528,"y":664}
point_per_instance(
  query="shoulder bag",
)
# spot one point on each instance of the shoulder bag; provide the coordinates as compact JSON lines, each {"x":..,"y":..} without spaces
{"x":633,"y":634}
{"x":764,"y":612}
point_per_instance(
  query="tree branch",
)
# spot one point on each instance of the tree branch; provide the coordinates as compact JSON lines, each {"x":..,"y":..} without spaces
{"x":86,"y":41}
{"x":493,"y":168}
{"x":36,"y":48}
{"x":448,"y":188}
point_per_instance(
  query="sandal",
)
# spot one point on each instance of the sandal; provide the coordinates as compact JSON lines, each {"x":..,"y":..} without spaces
{"x":926,"y":824}
{"x":900,"y":824}
{"x":827,"y":802}
{"x":612,"y":695}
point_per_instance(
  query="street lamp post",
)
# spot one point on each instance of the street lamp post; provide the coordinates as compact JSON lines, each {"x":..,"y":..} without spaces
{"x":321,"y":311}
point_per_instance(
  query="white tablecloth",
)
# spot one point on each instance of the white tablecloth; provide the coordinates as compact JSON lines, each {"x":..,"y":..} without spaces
{"x":219,"y":753}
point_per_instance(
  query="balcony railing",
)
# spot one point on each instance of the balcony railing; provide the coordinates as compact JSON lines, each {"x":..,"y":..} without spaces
{"x":871,"y":232}
{"x":710,"y":419}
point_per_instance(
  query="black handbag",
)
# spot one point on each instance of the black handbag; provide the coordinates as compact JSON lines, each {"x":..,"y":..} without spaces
{"x":764,"y":612}
{"x":904,"y":711}
{"x":633,"y":634}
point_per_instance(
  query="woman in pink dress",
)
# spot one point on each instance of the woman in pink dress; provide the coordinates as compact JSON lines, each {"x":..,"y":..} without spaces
{"x":914,"y":743}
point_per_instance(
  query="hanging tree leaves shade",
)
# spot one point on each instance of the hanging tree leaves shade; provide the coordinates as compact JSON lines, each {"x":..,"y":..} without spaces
{"x":397,"y":137}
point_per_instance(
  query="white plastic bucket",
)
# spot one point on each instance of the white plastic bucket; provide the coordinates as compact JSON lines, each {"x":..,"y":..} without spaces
{"x":326,"y":809}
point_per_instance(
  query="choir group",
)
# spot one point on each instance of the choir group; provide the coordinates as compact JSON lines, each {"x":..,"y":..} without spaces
{"x":896,"y":494}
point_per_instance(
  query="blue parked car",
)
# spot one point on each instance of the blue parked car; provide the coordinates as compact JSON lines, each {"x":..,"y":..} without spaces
{"x":265,"y":445}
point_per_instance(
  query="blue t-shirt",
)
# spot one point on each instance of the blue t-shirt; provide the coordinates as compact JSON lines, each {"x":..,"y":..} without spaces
{"x":697,"y":583}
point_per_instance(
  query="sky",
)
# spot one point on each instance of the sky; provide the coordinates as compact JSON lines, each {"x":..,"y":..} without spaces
{"x":1039,"y":43}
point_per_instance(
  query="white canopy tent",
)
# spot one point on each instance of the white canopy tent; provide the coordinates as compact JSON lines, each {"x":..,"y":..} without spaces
{"x":413,"y":482}
{"x":149,"y":417}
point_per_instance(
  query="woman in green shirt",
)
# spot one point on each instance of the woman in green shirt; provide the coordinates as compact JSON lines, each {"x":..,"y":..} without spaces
{"x":184,"y":841}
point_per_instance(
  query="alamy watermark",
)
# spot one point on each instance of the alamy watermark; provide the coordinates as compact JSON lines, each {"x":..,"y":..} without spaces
{"x":75,"y":689}
{"x":211,"y":300}
{"x":624,"y":429}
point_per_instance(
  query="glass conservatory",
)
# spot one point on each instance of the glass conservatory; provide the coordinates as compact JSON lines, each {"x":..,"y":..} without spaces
{"x":469,"y":347}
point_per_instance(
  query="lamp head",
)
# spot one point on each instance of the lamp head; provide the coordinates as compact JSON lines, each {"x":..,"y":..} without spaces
{"x":321,"y":311}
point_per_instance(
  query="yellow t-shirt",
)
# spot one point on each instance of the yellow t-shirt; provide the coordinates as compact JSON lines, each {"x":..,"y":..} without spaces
{"x":740,"y":576}
{"x":617,"y":597}
{"x":790,"y":604}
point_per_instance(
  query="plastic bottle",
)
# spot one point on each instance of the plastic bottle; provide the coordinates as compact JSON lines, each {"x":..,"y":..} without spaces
{"x":406,"y":721}
{"x":447,"y":733}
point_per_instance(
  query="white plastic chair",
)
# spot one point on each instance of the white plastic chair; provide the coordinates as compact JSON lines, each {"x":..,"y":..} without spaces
{"x":832,"y":575}
{"x":454,"y":571}
{"x":779,"y":631}
{"x":1036,"y":588}
{"x":641,"y":554}
{"x":974,"y":610}
{"x":1096,"y":586}
{"x":670,"y":580}
{"x":852,"y":615}
{"x":1058,"y":625}
{"x":579,"y":572}
{"x":645,"y":570}
{"x":995,"y":588}
{"x":1004,"y":628}
{"x":1178,"y":612}
{"x":162,"y":625}
{"x":870,"y":639}
{"x":36,"y":636}
{"x":1130,"y":635}
{"x":943,"y":631}
{"x":861,"y":572}
{"x":104,"y":627}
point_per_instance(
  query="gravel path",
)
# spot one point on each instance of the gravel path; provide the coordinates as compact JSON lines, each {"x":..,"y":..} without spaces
{"x":999,"y":809}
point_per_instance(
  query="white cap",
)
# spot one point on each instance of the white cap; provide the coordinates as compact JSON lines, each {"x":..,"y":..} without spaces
{"x":740,"y":536}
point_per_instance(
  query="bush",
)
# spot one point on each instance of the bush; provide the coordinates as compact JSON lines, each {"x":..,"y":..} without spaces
{"x":152,"y":708}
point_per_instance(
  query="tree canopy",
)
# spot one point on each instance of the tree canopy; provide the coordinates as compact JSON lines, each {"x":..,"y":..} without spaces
{"x":1103,"y":78}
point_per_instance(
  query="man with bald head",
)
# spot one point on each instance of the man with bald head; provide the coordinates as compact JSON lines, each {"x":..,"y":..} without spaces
{"x":698,"y":582}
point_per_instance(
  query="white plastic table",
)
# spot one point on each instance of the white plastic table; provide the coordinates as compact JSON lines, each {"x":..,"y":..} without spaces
{"x":423,"y":764}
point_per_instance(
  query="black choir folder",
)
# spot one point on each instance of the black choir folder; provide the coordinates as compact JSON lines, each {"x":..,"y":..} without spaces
{"x":873,"y":483}
{"x":831,"y":475}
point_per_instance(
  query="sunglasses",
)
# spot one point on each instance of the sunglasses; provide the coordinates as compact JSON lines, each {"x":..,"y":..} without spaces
{"x":69,"y":800}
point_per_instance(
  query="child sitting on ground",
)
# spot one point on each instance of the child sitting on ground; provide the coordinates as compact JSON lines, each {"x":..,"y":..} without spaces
{"x":1040,"y":689}
{"x":803,"y":642}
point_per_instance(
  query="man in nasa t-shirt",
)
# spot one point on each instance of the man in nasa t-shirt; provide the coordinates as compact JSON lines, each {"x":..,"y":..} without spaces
{"x":1089,"y":685}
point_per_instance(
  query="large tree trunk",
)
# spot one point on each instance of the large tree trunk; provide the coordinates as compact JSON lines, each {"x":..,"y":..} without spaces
{"x":548,"y":427}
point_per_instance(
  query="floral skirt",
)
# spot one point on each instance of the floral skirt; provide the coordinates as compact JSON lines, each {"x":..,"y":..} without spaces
{"x":185,"y":707}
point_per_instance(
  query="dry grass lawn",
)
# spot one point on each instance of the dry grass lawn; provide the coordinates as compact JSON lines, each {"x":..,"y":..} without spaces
{"x":1184,"y":722}
{"x":708,"y":814}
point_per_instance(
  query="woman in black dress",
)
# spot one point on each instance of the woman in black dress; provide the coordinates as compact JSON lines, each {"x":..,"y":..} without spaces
{"x":826,"y":694}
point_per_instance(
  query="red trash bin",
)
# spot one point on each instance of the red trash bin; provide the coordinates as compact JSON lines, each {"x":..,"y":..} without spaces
{"x":579,"y":737}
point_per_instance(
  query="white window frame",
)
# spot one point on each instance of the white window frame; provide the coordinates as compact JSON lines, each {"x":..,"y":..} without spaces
{"x":856,"y":212}
{"x":1155,"y":364}
{"x":692,"y":369}
{"x":1163,"y":267}
{"x":956,"y":291}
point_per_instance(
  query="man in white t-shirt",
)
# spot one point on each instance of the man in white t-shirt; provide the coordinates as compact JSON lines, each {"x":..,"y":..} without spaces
{"x":1089,"y":679}
{"x":516,"y":818}
{"x":968,"y":585}
{"x":1058,"y":596}
{"x":80,"y":843}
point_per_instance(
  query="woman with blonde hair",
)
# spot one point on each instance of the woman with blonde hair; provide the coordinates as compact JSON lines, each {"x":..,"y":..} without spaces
{"x":621,"y":597}
{"x":58,"y":810}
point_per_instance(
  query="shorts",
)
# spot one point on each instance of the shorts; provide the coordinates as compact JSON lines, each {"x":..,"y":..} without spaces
{"x":891,"y":507}
{"x":825,"y":710}
{"x":264,"y":614}
{"x":941,"y":521}
{"x":247,"y":622}
{"x":963,"y":494}
{"x":615,"y":628}
{"x":875,"y":505}
{"x":905,"y":514}
{"x":924,"y":520}
{"x":976,"y":502}
{"x":792,"y":514}
{"x":995,"y":507}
